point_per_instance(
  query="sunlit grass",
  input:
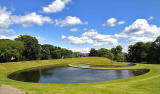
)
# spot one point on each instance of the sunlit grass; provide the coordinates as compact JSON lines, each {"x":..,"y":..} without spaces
{"x":144,"y":84}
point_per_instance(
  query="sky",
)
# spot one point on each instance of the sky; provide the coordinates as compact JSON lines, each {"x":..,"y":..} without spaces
{"x":80,"y":25}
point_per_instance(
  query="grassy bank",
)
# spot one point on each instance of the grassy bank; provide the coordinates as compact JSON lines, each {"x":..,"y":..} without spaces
{"x":144,"y":84}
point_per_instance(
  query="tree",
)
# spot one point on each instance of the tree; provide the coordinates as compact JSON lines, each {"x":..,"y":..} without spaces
{"x":32,"y":48}
{"x":148,"y":50}
{"x":155,"y":51}
{"x":117,"y":52}
{"x":11,"y":50}
{"x":105,"y":53}
{"x":93,"y":52}
{"x":45,"y":52}
{"x":138,"y":52}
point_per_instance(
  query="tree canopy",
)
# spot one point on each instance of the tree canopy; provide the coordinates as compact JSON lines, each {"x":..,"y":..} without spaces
{"x":11,"y":50}
{"x":105,"y":53}
{"x":31,"y":46}
{"x":93,"y":52}
{"x":26,"y":47}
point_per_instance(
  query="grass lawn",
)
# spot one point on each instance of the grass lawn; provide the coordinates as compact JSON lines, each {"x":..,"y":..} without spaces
{"x":148,"y":83}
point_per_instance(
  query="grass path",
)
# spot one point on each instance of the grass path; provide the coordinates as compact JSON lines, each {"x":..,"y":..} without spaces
{"x":143,"y":84}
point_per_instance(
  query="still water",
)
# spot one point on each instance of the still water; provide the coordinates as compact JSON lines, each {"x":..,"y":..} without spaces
{"x":62,"y":75}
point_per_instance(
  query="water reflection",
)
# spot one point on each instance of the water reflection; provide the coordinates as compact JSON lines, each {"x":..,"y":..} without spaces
{"x":33,"y":76}
{"x":62,"y":75}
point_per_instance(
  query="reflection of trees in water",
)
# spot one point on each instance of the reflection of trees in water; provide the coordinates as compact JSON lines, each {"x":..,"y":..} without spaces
{"x":139,"y":72}
{"x":119,"y":73}
{"x":28,"y":76}
{"x":46,"y":73}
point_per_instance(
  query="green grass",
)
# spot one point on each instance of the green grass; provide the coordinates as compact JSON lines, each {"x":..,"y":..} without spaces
{"x":143,"y":84}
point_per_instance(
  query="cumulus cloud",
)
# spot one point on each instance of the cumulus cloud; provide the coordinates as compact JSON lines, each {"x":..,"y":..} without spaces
{"x":73,"y":29}
{"x":6,"y":30}
{"x":110,"y":22}
{"x":82,"y":50}
{"x":8,"y":37}
{"x":40,"y":39}
{"x":140,"y":30}
{"x":69,"y":21}
{"x":121,"y":22}
{"x":56,"y":6}
{"x":5,"y":21}
{"x":94,"y":38}
{"x":133,"y":39}
{"x":113,"y":22}
{"x":63,"y":37}
{"x":30,"y":19}
{"x":4,"y":37}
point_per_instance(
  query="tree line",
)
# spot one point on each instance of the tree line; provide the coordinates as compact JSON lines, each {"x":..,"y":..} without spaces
{"x":139,"y":52}
{"x":113,"y":54}
{"x":26,"y":47}
{"x":145,"y":52}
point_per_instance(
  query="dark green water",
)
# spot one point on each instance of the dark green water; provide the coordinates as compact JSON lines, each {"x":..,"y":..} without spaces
{"x":62,"y":75}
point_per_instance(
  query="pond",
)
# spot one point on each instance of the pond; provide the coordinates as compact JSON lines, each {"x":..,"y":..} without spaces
{"x":62,"y":75}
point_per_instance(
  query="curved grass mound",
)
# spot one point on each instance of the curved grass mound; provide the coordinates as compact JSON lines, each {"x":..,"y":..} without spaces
{"x":143,"y":84}
{"x":103,"y":64}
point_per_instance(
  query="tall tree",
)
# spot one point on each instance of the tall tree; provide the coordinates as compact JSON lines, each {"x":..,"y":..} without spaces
{"x":155,"y":51}
{"x":118,"y":55}
{"x":11,"y":50}
{"x":138,"y":52}
{"x":32,"y":48}
{"x":93,"y":52}
{"x":105,"y":53}
{"x":45,"y":52}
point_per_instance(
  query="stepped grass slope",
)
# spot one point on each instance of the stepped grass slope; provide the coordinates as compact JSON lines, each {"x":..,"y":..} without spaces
{"x":143,"y":84}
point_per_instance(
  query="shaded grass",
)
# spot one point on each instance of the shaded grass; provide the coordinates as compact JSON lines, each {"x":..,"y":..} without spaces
{"x":144,"y":84}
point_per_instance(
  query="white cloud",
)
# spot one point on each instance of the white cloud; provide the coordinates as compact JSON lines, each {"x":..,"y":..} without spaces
{"x":82,"y":50}
{"x":63,"y":37}
{"x":4,"y":37}
{"x":150,"y":18}
{"x":69,"y":21}
{"x":133,"y":40}
{"x":110,"y":22}
{"x":140,"y":30}
{"x":113,"y":22}
{"x":8,"y":37}
{"x":6,"y":30}
{"x":5,"y":21}
{"x":56,"y":6}
{"x":40,"y":39}
{"x":94,"y":38}
{"x":121,"y":22}
{"x":73,"y":29}
{"x":30,"y":19}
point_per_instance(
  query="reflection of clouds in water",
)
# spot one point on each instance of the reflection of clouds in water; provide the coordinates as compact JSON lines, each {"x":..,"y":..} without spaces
{"x":77,"y":75}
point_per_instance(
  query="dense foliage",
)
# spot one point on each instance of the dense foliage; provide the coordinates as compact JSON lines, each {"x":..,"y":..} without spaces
{"x":113,"y":54}
{"x":11,"y":50}
{"x":105,"y":53}
{"x":145,"y":52}
{"x":51,"y":52}
{"x":26,"y":47}
{"x":117,"y":52}
{"x":31,"y":46}
{"x":93,"y":52}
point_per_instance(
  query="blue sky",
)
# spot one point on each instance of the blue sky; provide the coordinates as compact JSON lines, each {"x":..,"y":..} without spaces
{"x":81,"y":24}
